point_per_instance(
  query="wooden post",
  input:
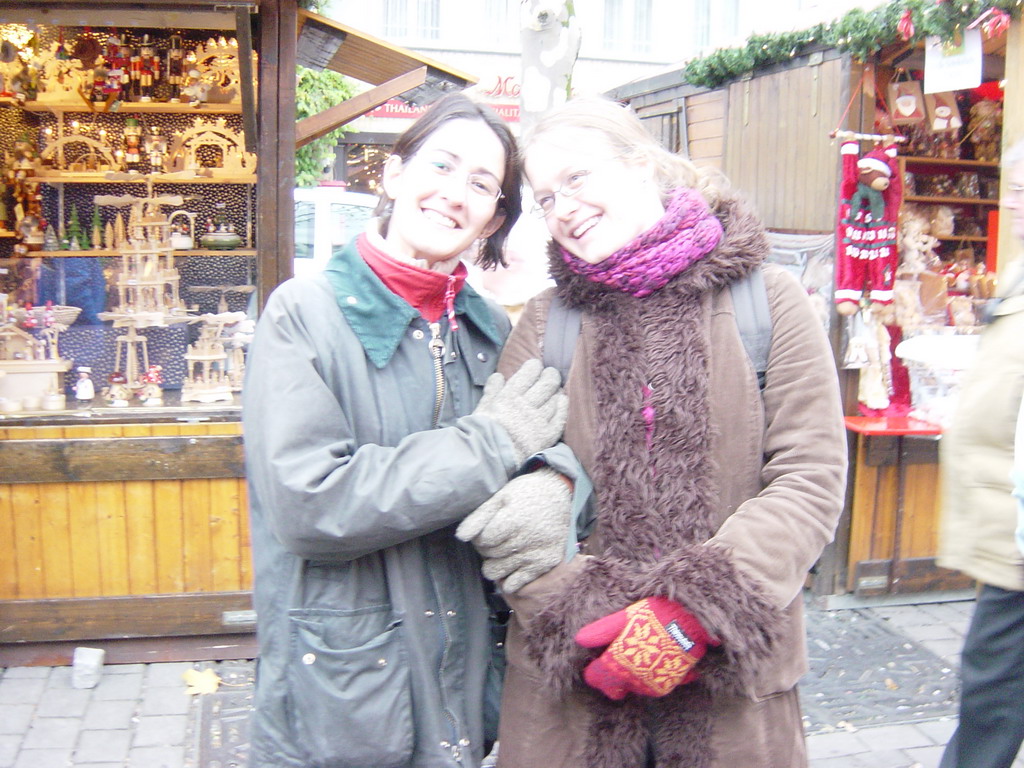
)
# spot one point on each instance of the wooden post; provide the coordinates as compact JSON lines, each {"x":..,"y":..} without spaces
{"x":275,"y":214}
{"x":1013,"y":131}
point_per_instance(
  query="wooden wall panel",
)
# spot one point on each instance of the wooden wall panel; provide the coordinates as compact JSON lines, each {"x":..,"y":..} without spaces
{"x":124,"y":538}
{"x":705,"y":127}
{"x":778,"y":151}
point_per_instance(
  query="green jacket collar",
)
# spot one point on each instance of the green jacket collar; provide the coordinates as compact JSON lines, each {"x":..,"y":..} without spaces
{"x":378,"y":317}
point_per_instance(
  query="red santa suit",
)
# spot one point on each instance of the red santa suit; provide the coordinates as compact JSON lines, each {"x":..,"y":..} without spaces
{"x":866,"y":252}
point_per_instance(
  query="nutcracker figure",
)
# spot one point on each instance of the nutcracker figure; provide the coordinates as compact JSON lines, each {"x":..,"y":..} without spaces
{"x":119,"y":58}
{"x":132,"y":141}
{"x":145,"y":70}
{"x":175,"y":66}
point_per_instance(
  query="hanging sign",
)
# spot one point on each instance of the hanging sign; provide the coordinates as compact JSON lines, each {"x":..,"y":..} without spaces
{"x":951,"y":67}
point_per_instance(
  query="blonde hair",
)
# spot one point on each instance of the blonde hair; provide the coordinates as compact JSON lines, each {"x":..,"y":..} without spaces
{"x":622,"y":129}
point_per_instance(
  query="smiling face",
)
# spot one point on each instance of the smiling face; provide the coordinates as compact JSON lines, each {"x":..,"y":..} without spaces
{"x":616,"y":201}
{"x":440,"y":194}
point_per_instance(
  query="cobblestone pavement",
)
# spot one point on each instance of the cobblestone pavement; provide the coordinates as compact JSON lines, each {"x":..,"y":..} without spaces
{"x":881,"y":693}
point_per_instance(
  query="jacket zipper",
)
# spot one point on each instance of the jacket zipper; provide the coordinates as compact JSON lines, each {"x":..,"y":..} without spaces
{"x":437,"y":350}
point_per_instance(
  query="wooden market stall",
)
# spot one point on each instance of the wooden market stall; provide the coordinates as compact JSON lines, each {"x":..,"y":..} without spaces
{"x":770,"y":131}
{"x":124,"y":512}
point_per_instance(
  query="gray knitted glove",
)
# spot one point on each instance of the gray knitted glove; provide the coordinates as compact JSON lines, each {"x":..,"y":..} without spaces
{"x":530,"y":406}
{"x":522,"y":530}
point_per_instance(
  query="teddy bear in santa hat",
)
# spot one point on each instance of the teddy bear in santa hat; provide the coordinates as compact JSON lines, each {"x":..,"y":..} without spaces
{"x":869,"y":201}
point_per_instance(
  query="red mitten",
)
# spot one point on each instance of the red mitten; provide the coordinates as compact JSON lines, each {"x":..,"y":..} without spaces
{"x":653,"y":647}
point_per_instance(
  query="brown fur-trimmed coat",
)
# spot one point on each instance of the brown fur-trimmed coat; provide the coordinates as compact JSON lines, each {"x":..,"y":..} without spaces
{"x":726,"y":513}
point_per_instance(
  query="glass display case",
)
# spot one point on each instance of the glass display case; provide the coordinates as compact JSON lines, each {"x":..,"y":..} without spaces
{"x":127,"y":227}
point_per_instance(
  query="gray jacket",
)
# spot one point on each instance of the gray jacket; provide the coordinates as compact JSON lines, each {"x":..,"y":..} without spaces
{"x":377,"y":644}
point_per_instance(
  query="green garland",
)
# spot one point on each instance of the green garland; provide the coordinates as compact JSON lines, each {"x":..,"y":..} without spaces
{"x":859,"y":32}
{"x":315,"y":92}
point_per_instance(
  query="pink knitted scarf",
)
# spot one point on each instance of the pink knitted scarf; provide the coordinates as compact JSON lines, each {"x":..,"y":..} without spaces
{"x":686,"y":233}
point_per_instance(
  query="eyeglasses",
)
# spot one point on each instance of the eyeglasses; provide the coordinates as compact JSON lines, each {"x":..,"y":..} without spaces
{"x":482,"y":185}
{"x":545,"y":204}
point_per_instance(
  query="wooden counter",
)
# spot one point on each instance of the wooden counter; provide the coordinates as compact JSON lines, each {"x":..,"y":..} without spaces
{"x":894,"y":474}
{"x":124,"y":527}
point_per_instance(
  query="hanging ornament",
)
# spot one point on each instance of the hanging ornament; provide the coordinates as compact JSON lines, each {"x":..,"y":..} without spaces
{"x":905,"y":26}
{"x":996,"y":24}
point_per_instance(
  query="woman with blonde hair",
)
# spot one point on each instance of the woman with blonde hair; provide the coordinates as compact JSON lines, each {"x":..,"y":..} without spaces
{"x":674,"y":636}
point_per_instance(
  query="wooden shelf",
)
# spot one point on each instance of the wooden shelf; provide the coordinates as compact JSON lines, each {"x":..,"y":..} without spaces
{"x":949,"y":200}
{"x":99,"y":178}
{"x":128,"y":107}
{"x":963,"y":238}
{"x":917,"y":160}
{"x":110,"y":254}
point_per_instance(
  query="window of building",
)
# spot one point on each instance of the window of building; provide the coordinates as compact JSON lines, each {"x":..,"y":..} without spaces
{"x":627,"y":26}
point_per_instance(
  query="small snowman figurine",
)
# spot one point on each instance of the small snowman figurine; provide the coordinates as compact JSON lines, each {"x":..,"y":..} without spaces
{"x":84,"y":389}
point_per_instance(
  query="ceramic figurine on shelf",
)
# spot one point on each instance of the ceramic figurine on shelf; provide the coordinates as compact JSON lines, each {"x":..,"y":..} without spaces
{"x":84,"y":389}
{"x":176,"y":67}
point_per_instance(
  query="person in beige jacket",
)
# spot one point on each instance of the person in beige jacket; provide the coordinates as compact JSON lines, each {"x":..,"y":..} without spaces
{"x":675,"y":636}
{"x":979,"y":518}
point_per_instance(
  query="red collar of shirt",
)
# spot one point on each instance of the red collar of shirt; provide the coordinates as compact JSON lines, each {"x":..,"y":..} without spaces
{"x":432,"y":294}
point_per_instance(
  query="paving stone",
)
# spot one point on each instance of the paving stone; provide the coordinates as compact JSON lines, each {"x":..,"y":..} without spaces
{"x":939,"y":731}
{"x":109,"y":715}
{"x":834,"y":745}
{"x":55,"y":732}
{"x":165,"y":701}
{"x":103,"y":746}
{"x":9,"y":746}
{"x":124,"y":669}
{"x":160,"y":730}
{"x":13,"y":672}
{"x":156,"y":757}
{"x":43,"y":758}
{"x":927,"y":757}
{"x":60,"y":678}
{"x":15,"y":718}
{"x":168,"y":674}
{"x":21,"y":690}
{"x":63,"y":703}
{"x":123,"y":686}
{"x":894,"y":737}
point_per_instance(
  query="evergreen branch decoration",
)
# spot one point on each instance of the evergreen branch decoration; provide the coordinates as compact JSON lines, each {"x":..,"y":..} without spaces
{"x":860,"y":33}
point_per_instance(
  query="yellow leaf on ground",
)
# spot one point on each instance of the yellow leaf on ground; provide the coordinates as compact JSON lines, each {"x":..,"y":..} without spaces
{"x":206,"y":681}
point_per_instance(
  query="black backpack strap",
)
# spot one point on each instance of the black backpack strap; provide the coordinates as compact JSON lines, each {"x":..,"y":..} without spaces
{"x":560,"y":334}
{"x":753,"y":319}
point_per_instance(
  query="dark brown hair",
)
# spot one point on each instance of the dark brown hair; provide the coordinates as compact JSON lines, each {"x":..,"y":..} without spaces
{"x":458,"y":106}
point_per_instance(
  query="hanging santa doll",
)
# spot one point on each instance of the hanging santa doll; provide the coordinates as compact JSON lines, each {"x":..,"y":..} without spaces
{"x":866,"y":231}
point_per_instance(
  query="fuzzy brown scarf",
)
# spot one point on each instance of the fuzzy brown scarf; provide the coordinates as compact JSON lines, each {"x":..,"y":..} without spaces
{"x":656,"y":504}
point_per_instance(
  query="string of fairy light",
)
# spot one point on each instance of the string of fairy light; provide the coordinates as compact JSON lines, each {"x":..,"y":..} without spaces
{"x":860,"y":33}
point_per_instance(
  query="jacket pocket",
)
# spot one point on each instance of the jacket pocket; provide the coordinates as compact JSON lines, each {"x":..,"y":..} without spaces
{"x":351,"y":704}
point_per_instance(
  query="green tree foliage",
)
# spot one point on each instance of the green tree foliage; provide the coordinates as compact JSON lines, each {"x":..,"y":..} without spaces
{"x":860,"y":33}
{"x":315,"y":92}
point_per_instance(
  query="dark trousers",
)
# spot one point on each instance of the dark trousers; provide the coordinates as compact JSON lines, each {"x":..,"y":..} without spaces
{"x":991,"y":726}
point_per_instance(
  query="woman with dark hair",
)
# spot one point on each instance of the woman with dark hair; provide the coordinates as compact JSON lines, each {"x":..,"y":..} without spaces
{"x":369,"y":437}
